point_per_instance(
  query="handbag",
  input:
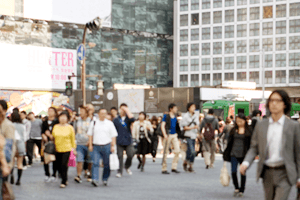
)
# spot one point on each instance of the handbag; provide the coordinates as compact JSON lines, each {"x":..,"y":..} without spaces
{"x":7,"y":191}
{"x":224,"y":176}
{"x":49,"y":148}
{"x":72,"y":160}
{"x":113,"y":161}
{"x":48,"y":158}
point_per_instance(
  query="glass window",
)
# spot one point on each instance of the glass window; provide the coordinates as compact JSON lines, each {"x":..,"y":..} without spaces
{"x":195,"y":19}
{"x":254,"y":1}
{"x":281,"y":10}
{"x":205,"y":79}
{"x":294,"y":76}
{"x":254,"y":29}
{"x":294,"y":59}
{"x":217,"y":79}
{"x":268,"y":60}
{"x":242,"y":30}
{"x":254,"y":77}
{"x":217,"y":48}
{"x":205,"y":4}
{"x":254,"y":13}
{"x":184,"y":5}
{"x":254,"y":61}
{"x":229,"y":77}
{"x":295,"y":26}
{"x":242,"y":14}
{"x":229,"y":15}
{"x":281,"y":44}
{"x":241,"y":76}
{"x":217,"y":3}
{"x":229,"y":63}
{"x":268,"y":12}
{"x":194,"y":34}
{"x":217,"y":63}
{"x":183,"y":65}
{"x":281,"y":60}
{"x":241,"y":46}
{"x":184,"y":35}
{"x":281,"y":27}
{"x":195,"y":5}
{"x":241,"y":62}
{"x":280,"y":76}
{"x":268,"y":44}
{"x":184,"y":20}
{"x":194,"y":80}
{"x":295,"y":9}
{"x":183,"y":80}
{"x":229,"y":31}
{"x":294,"y":42}
{"x":266,"y":1}
{"x":268,"y":28}
{"x":205,"y":64}
{"x":268,"y":77}
{"x":229,"y":47}
{"x":206,"y":18}
{"x":184,"y":50}
{"x":241,"y":2}
{"x":254,"y":45}
{"x":205,"y":33}
{"x":194,"y":64}
{"x":205,"y":48}
{"x":195,"y":49}
{"x":218,"y":32}
{"x":229,"y":3}
{"x":217,"y":17}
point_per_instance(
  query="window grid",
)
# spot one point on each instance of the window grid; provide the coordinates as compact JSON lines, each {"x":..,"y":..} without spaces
{"x":229,"y":76}
{"x":217,"y":3}
{"x":254,"y":77}
{"x":254,"y":13}
{"x":206,"y":18}
{"x":217,"y":63}
{"x":295,"y":26}
{"x":229,"y":15}
{"x":183,"y":35}
{"x":194,"y":34}
{"x":184,"y":5}
{"x":254,"y":45}
{"x":195,"y":5}
{"x":281,"y":44}
{"x":268,"y":12}
{"x":241,"y":62}
{"x":195,"y":19}
{"x":294,"y":42}
{"x":205,"y":4}
{"x":268,"y":77}
{"x":217,"y":49}
{"x":205,"y":48}
{"x":241,"y":76}
{"x":268,"y":44}
{"x":217,"y":78}
{"x":280,"y":76}
{"x":217,"y":32}
{"x":242,"y":30}
{"x":294,"y":76}
{"x":229,"y":47}
{"x":269,"y":61}
{"x":241,"y":46}
{"x":183,"y":65}
{"x":205,"y":33}
{"x":268,"y":28}
{"x":281,"y":27}
{"x":229,"y":3}
{"x":205,"y":79}
{"x":217,"y":17}
{"x":281,"y":60}
{"x":183,"y":80}
{"x":254,"y":61}
{"x":229,"y":31}
{"x":254,"y":29}
{"x":194,"y":64}
{"x":294,"y":59}
{"x":195,"y":49}
{"x":184,"y":20}
{"x":205,"y":64}
{"x":295,"y":9}
{"x":184,"y":50}
{"x":242,"y":14}
{"x":281,"y":10}
{"x":229,"y":63}
{"x":194,"y":80}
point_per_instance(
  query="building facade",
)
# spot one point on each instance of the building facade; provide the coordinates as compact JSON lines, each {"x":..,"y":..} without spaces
{"x":236,"y":40}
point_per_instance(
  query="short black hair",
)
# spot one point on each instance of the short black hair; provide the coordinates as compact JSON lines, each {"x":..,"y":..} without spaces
{"x":15,"y":117}
{"x":114,"y":108}
{"x":211,"y":111}
{"x":16,"y":110}
{"x":3,"y":104}
{"x":190,"y":105}
{"x":143,"y":113}
{"x":171,"y":106}
{"x":65,"y":112}
{"x":285,"y":98}
{"x":123,"y":104}
{"x":24,"y":112}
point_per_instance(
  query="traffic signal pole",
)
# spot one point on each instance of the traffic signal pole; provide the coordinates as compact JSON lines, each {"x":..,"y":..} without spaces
{"x":83,"y":74}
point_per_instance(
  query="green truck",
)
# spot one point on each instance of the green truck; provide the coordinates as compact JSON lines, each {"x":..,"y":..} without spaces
{"x":295,"y":109}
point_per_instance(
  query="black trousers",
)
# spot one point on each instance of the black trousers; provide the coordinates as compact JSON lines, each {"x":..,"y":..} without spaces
{"x":154,"y":144}
{"x":62,"y":160}
{"x":29,"y":147}
{"x":54,"y":167}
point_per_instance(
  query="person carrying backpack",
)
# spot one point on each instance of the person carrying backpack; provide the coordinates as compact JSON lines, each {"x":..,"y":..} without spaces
{"x":208,"y":129}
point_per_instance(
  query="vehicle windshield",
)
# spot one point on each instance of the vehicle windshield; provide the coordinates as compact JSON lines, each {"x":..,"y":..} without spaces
{"x":217,"y":112}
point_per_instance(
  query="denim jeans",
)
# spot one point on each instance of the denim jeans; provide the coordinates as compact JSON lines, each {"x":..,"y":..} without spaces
{"x":234,"y":163}
{"x":104,"y":152}
{"x":190,"y":152}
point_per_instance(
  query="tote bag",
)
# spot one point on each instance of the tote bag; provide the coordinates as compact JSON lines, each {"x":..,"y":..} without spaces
{"x":72,"y":160}
{"x":224,"y":177}
{"x":113,"y":161}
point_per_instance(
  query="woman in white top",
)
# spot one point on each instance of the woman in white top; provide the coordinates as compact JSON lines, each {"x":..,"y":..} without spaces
{"x":20,"y":132}
{"x":141,"y":130}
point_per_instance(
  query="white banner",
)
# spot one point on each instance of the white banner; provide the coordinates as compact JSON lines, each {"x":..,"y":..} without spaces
{"x":133,"y":98}
{"x":32,"y":67}
{"x":71,"y":11}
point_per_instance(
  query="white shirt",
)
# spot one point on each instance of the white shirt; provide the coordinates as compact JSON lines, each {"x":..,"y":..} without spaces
{"x":102,"y":132}
{"x":274,"y":143}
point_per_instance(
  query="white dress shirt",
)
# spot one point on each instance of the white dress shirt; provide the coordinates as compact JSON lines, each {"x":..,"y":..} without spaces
{"x":274,"y":143}
{"x":102,"y":132}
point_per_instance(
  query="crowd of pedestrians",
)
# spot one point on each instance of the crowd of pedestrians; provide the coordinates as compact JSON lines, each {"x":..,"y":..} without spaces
{"x":92,"y":138}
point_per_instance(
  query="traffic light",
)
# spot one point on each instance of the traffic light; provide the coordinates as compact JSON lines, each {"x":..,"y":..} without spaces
{"x":100,"y":87}
{"x":69,"y":88}
{"x":95,"y":24}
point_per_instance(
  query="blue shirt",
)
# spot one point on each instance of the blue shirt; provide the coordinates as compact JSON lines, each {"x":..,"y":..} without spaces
{"x":173,"y":124}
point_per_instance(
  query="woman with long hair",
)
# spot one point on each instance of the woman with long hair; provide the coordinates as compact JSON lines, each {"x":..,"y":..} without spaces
{"x":238,"y":144}
{"x":141,"y":132}
{"x":20,"y":143}
{"x":154,"y":138}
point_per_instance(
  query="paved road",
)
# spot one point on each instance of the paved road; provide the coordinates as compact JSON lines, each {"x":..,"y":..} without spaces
{"x":151,"y":184}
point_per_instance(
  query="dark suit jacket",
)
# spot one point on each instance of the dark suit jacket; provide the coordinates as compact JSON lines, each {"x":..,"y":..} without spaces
{"x":290,"y":148}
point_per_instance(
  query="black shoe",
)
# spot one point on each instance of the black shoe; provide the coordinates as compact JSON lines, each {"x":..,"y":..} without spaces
{"x":77,"y":179}
{"x":94,"y":183}
{"x":12,"y":180}
{"x":207,"y":166}
{"x":175,"y":171}
{"x":185,"y":166}
{"x":165,"y":172}
{"x":139,"y":166}
{"x":18,"y":183}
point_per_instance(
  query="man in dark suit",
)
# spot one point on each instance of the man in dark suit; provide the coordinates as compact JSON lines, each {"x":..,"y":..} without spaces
{"x":277,"y":142}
